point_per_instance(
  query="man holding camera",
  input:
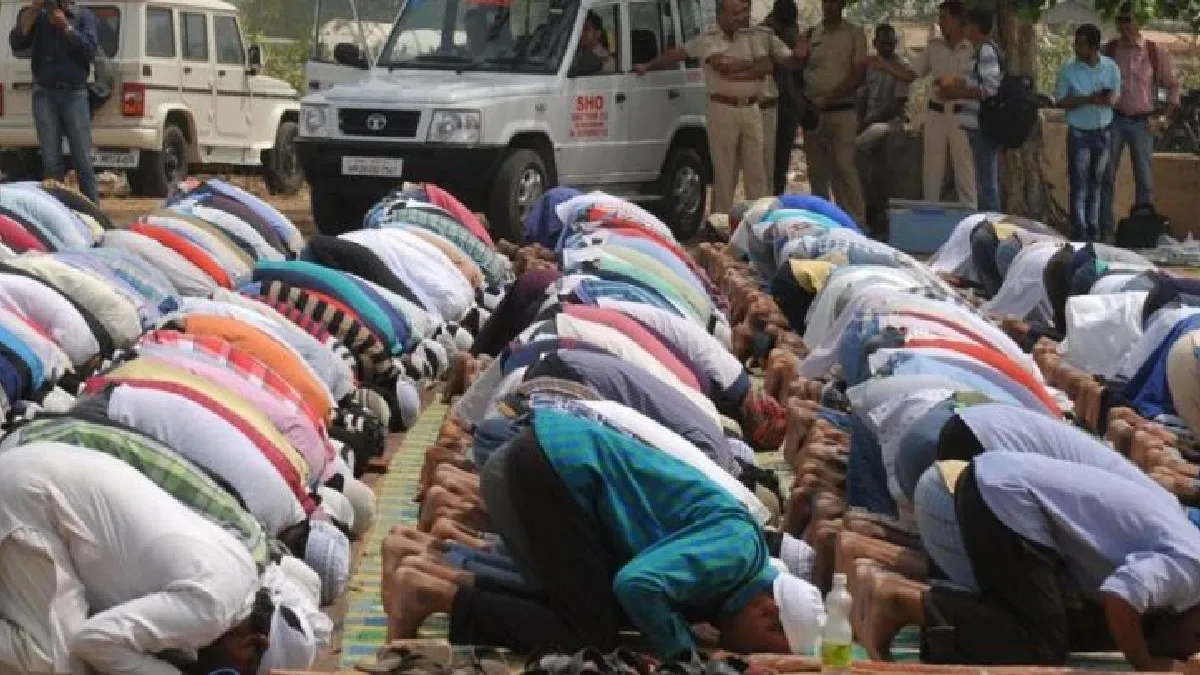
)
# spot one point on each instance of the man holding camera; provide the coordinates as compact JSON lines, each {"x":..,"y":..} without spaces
{"x":63,"y":39}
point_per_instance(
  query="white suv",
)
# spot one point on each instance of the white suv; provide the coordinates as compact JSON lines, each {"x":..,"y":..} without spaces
{"x":480,"y":96}
{"x":187,"y":93}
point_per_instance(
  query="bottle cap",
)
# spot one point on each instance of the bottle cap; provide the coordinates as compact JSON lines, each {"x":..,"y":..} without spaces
{"x":839,"y":579}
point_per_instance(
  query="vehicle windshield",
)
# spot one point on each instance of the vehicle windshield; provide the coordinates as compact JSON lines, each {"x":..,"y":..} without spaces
{"x":363,"y":24}
{"x":526,"y":36}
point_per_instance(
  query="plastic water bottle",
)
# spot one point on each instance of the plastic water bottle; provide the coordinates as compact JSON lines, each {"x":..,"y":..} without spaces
{"x":837,"y":638}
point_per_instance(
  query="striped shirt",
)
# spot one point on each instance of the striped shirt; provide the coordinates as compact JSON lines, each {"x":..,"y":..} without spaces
{"x":374,"y":359}
{"x":179,"y":477}
{"x":235,"y":358}
{"x":683,"y":542}
{"x":1137,"y":77}
{"x":495,"y":267}
{"x":986,"y":73}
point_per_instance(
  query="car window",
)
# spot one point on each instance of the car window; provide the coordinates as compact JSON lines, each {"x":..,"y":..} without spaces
{"x":691,"y":24}
{"x":645,"y":31}
{"x":108,"y":24}
{"x":160,"y":32}
{"x":108,"y":28}
{"x":195,"y":36}
{"x":229,"y":41}
{"x":604,"y":57}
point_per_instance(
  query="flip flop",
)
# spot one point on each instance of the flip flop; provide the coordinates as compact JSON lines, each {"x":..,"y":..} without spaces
{"x":401,"y":661}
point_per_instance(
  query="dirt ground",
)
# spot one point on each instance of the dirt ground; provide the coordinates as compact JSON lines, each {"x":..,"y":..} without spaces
{"x":114,"y":195}
{"x":115,"y":200}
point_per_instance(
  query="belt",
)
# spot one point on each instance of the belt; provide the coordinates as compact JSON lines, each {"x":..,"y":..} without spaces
{"x":936,"y":106}
{"x":1101,"y":130}
{"x":768,"y":103}
{"x":1137,"y":118}
{"x":734,"y":100}
{"x":838,"y":107}
{"x":61,"y":86}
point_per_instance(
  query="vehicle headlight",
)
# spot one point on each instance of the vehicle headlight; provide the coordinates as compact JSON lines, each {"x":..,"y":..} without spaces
{"x":313,"y":119}
{"x":454,"y":126}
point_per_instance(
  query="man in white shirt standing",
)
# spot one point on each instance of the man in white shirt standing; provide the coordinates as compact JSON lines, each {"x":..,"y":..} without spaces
{"x":948,"y":56}
{"x":101,"y":570}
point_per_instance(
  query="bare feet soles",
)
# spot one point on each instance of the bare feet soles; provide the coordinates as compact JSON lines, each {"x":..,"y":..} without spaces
{"x":415,"y":595}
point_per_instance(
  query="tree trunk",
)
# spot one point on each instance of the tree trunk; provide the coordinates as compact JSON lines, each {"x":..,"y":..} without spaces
{"x":1021,"y":184}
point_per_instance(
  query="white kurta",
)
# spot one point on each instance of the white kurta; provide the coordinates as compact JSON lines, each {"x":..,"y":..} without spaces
{"x":99,"y":566}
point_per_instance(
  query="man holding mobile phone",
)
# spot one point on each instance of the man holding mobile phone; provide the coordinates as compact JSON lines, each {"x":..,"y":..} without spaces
{"x":63,"y":39}
{"x":1087,"y":89}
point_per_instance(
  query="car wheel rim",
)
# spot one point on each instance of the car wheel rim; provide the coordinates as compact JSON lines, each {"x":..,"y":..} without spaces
{"x":686,"y":191}
{"x":289,"y":161}
{"x":531,"y":186}
{"x":173,"y":163}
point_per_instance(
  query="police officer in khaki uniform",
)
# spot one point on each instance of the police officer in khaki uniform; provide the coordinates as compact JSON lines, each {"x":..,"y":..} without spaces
{"x":835,"y":66}
{"x":942,"y":128}
{"x":737,"y":60}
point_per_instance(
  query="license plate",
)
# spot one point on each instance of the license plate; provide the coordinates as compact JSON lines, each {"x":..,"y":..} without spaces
{"x":111,"y":159}
{"x":383,"y":167}
{"x":116,"y":159}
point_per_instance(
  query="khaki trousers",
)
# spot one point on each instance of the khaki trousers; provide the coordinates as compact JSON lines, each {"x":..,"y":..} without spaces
{"x":942,"y":130}
{"x":770,"y":123}
{"x":830,"y":150}
{"x":735,"y":141}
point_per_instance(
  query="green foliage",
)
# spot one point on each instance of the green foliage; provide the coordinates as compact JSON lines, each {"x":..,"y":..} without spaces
{"x":1055,"y":48}
{"x":286,"y":61}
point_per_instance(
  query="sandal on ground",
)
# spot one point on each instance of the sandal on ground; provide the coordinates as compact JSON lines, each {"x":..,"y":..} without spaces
{"x":401,"y":661}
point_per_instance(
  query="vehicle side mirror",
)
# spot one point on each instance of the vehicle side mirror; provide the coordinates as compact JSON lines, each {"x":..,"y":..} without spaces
{"x":254,"y":58}
{"x":348,"y":54}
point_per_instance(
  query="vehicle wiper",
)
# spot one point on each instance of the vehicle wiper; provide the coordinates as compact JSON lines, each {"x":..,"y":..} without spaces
{"x":443,"y":58}
{"x":430,"y":59}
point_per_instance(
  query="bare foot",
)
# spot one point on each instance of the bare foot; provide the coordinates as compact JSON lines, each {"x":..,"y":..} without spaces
{"x":414,"y":596}
{"x":404,"y":541}
{"x":436,"y":568}
{"x":878,"y":620}
{"x":449,"y":530}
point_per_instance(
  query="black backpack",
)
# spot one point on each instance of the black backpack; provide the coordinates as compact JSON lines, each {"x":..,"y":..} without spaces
{"x":1142,"y":228}
{"x":1009,"y":117}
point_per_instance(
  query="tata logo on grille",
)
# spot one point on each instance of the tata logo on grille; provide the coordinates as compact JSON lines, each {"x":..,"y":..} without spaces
{"x":377,"y":122}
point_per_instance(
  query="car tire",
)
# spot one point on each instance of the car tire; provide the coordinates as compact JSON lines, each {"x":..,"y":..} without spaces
{"x":521,"y":181}
{"x":684,"y":192}
{"x":335,"y":213}
{"x":159,"y":171}
{"x":283,"y":174}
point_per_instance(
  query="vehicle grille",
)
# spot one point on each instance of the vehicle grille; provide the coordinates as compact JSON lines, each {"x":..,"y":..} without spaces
{"x":400,"y":123}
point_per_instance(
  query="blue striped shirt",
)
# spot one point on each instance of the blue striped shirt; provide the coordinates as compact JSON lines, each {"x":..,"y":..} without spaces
{"x":685,"y":542}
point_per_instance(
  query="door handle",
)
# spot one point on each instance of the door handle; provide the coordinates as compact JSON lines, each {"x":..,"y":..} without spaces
{"x":221,"y":73}
{"x":672,"y":94}
{"x":187,"y":70}
{"x":621,"y":97}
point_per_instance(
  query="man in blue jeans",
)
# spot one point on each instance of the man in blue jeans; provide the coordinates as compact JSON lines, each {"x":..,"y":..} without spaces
{"x":1144,"y":68}
{"x":982,"y":81}
{"x":1087,"y":89}
{"x":63,"y":39}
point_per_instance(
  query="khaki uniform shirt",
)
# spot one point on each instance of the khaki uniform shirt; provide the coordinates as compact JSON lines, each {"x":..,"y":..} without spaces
{"x":832,"y":55}
{"x":938,"y":59}
{"x":747,"y":44}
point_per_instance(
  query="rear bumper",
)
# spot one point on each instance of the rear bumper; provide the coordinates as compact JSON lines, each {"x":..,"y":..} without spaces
{"x":466,"y":172}
{"x":107,"y":138}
